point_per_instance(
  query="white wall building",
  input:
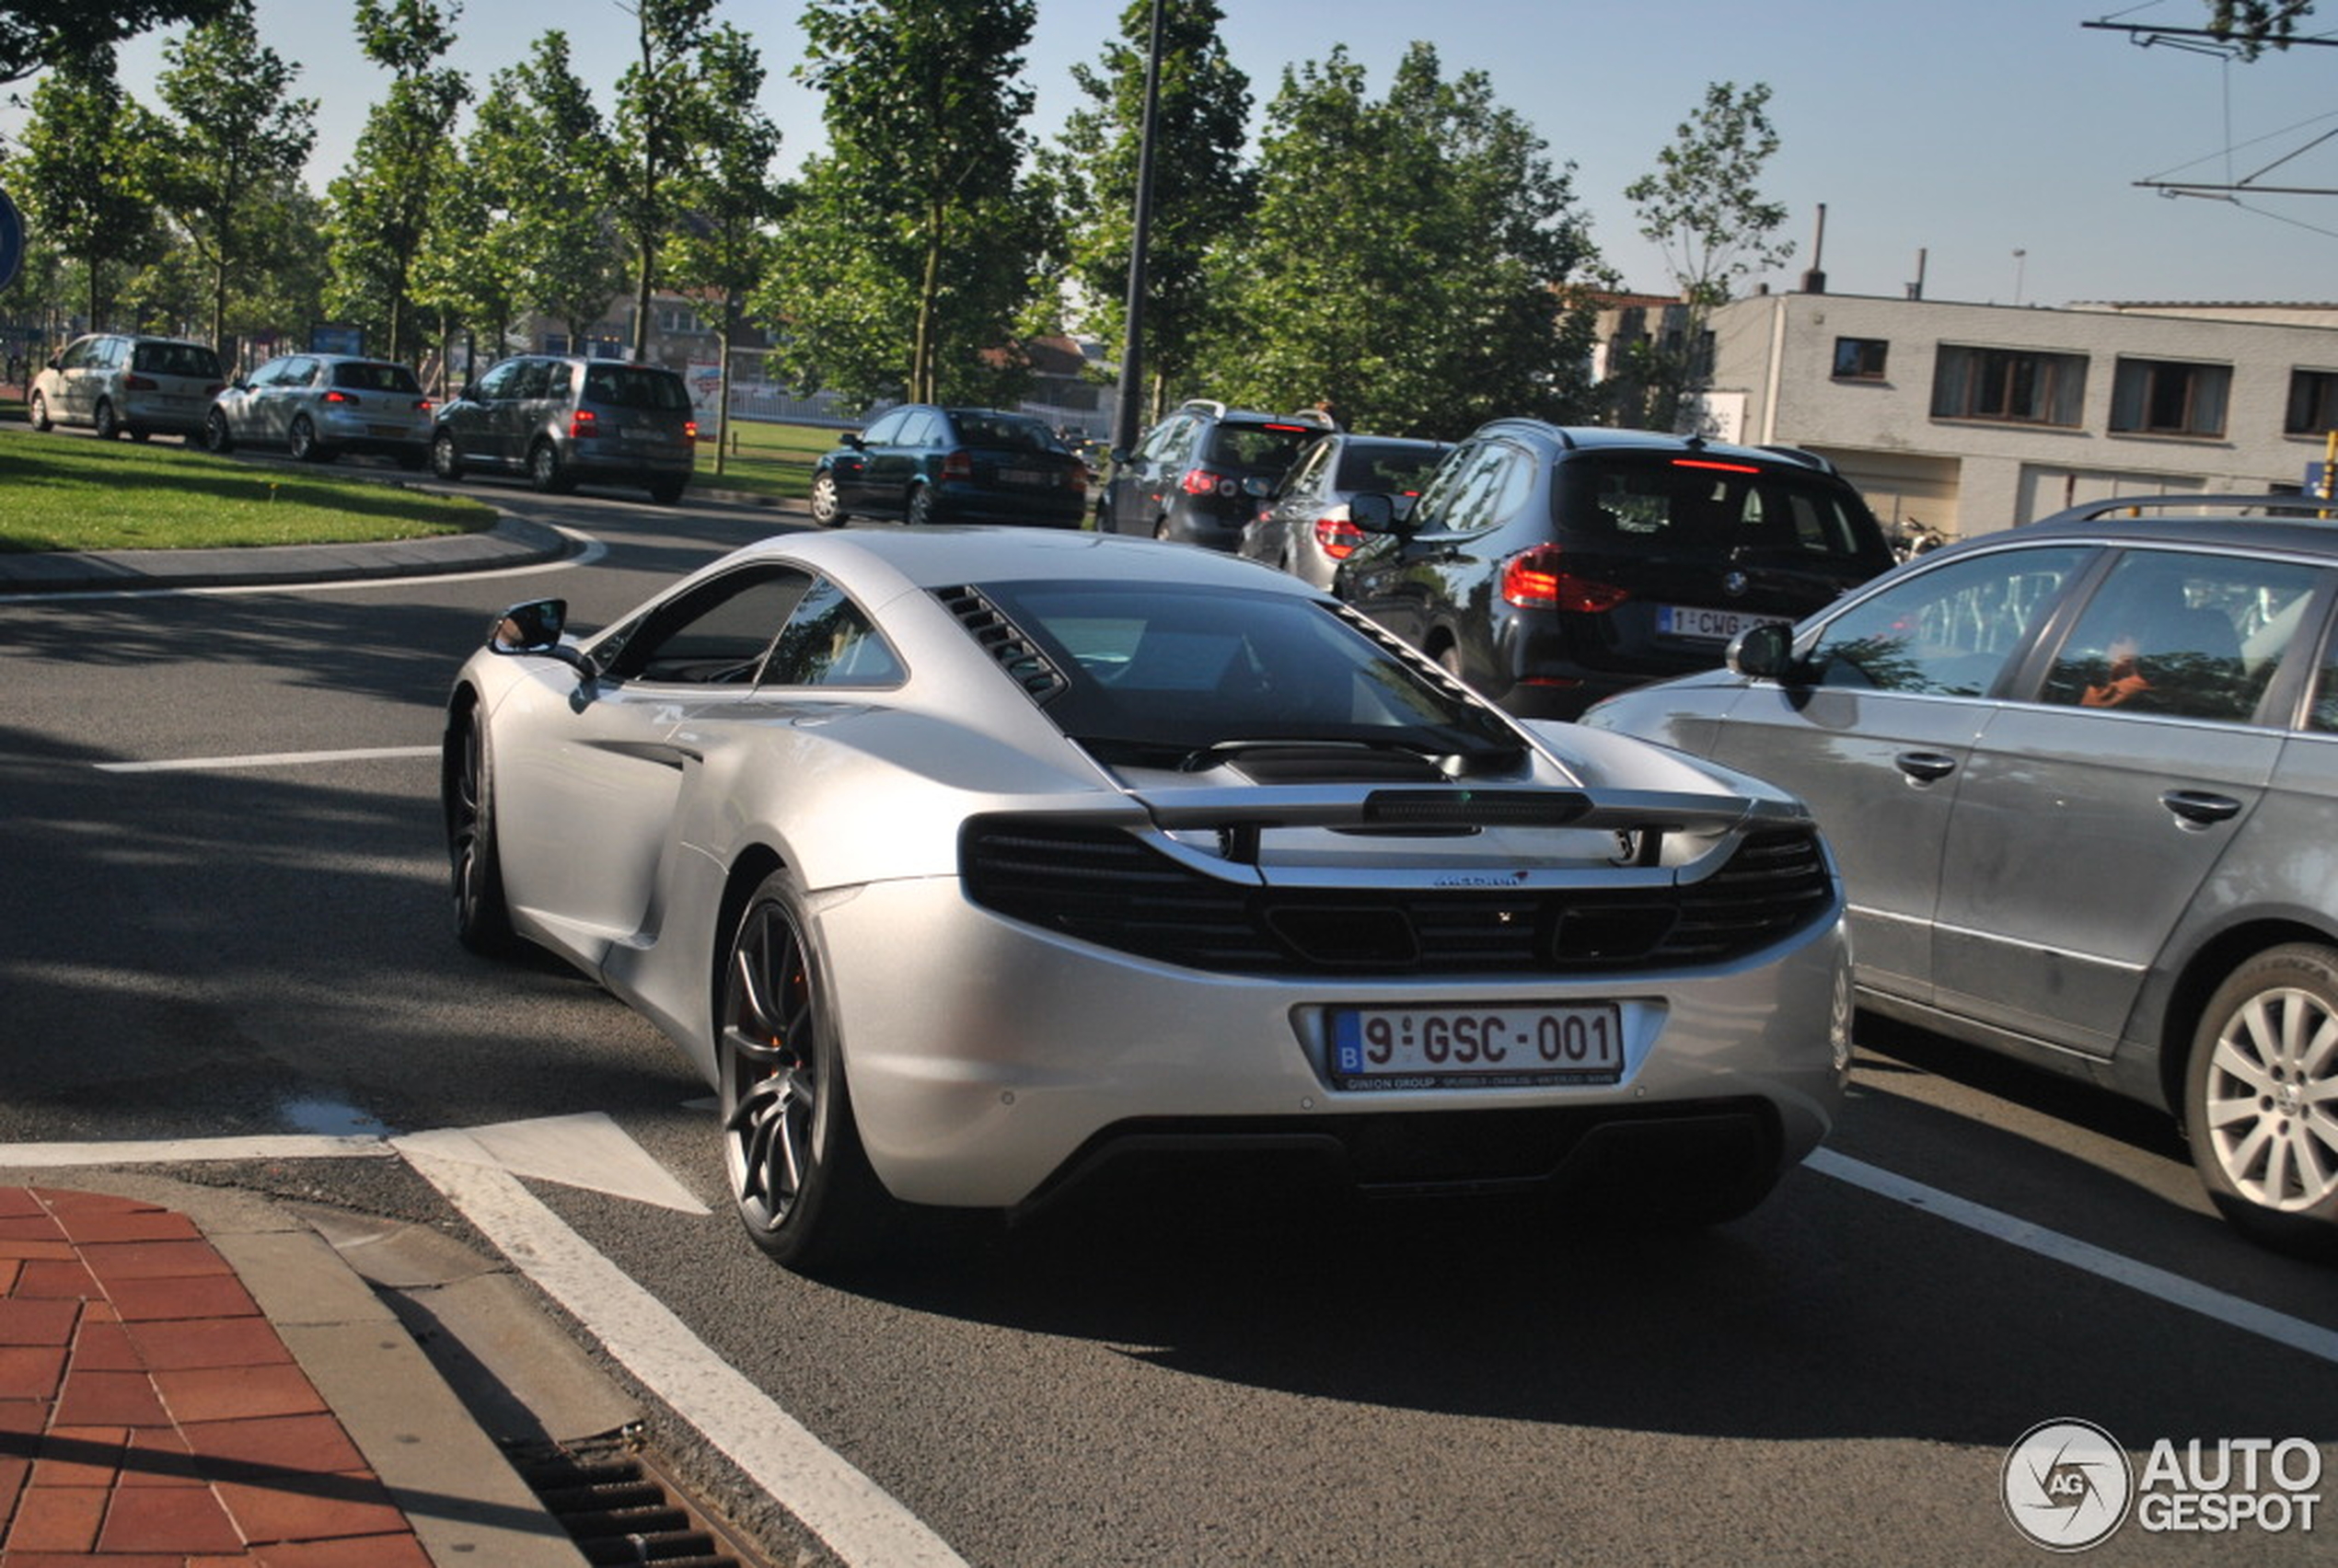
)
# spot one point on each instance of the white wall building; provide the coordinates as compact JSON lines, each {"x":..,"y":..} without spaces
{"x":1970,"y":418}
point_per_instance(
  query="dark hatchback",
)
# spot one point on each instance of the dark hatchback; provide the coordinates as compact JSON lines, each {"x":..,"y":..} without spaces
{"x":1550,"y":566}
{"x":1197,"y":477}
{"x":924,"y":464}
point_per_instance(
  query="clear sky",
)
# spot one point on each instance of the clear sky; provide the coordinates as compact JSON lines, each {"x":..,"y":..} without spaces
{"x":2001,"y":139}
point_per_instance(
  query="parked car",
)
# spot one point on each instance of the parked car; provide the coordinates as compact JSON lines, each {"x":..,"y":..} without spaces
{"x":1302,"y":524}
{"x":319,"y":406}
{"x":923,"y":463}
{"x":2082,"y":776}
{"x":963,"y":863}
{"x":1190,"y":478}
{"x":122,"y":384}
{"x":565,"y":421}
{"x":1550,"y":566}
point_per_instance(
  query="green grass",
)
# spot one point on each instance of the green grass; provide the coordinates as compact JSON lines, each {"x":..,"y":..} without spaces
{"x":767,"y":459}
{"x":68,"y":492}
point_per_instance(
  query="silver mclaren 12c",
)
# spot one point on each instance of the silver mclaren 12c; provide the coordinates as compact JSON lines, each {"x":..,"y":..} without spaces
{"x":965,"y":862}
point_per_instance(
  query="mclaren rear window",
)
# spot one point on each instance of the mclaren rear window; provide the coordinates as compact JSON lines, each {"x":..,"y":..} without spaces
{"x":1176,"y":670}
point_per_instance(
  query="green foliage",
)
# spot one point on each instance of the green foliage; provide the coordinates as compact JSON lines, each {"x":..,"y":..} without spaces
{"x":1702,"y":207}
{"x":1412,"y":262}
{"x":383,"y":203}
{"x":661,"y":118}
{"x":89,"y":158}
{"x":918,"y":236}
{"x":1202,"y":192}
{"x":2257,"y":25}
{"x":238,"y":131}
{"x":37,"y":33}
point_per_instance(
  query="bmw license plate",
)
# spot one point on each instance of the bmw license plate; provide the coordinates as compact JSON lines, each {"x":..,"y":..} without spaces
{"x":1707,"y":625}
{"x":1445,"y":1048}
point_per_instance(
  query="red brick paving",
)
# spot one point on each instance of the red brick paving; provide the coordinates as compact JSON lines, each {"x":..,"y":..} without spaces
{"x":150,"y":1417}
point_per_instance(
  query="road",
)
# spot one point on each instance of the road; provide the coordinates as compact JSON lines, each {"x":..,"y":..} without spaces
{"x":227,"y":916}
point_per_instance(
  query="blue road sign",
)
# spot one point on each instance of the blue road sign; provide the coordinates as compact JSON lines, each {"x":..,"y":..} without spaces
{"x":11,"y":240}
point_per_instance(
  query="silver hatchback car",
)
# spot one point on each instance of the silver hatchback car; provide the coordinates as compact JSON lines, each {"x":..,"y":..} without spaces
{"x":2083,"y":778}
{"x":319,"y":406}
{"x":121,"y":385}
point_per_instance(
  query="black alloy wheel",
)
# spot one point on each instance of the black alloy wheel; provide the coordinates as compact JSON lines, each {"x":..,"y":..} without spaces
{"x":107,"y":422}
{"x":216,"y":437}
{"x":798,"y":1175}
{"x":922,"y":511}
{"x":483,"y":915}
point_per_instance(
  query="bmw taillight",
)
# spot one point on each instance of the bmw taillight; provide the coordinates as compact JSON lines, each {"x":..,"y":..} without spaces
{"x":958,"y":465}
{"x":1538,"y":580}
{"x":1336,"y":534}
{"x":1201,"y":481}
{"x":582,"y":424}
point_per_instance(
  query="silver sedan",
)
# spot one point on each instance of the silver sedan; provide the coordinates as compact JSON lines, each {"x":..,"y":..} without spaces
{"x":967,"y":862}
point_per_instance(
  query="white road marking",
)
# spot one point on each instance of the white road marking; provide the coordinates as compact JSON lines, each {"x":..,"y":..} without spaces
{"x":2171,"y":1288}
{"x":860,"y":1520}
{"x":588,"y":1150}
{"x":177,"y":1151}
{"x":266,"y":759}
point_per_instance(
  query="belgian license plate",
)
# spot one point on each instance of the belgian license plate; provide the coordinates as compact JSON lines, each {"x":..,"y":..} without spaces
{"x":1438,"y":1047}
{"x":1707,"y":625}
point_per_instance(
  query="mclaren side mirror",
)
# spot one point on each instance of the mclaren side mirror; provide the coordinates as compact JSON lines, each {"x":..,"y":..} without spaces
{"x":534,"y":629}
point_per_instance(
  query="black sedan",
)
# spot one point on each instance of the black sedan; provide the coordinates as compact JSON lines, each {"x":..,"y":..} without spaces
{"x":924,"y":464}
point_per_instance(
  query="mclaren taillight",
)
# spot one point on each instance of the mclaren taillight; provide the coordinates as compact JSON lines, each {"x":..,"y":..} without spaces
{"x":1336,"y":534}
{"x":1538,"y":580}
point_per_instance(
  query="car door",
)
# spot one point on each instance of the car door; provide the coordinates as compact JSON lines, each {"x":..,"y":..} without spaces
{"x":895,"y":462}
{"x":601,"y":774}
{"x":472,"y":420}
{"x":1140,"y":485}
{"x":1424,"y":582}
{"x":275,"y":404}
{"x":853,"y":487}
{"x":82,"y":376}
{"x":2090,"y":817}
{"x":1879,"y":743}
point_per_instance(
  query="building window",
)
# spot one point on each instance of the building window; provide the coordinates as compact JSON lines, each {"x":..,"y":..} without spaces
{"x":2170,"y":398}
{"x":1860,"y":359}
{"x":2313,"y":403}
{"x":2017,"y":386}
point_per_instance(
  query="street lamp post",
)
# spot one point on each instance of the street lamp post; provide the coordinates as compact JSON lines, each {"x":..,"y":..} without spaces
{"x":1126,"y":413}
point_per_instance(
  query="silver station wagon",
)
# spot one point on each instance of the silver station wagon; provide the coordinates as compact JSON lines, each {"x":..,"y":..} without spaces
{"x":2083,"y":779}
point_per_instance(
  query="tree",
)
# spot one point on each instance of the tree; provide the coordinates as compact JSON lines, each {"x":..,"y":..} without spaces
{"x":41,"y":33}
{"x":730,"y":200}
{"x":660,"y":118}
{"x":1701,"y":206}
{"x":2257,"y":25}
{"x":382,"y":204}
{"x":917,"y":234}
{"x":89,"y":163}
{"x":1413,"y":262}
{"x":237,"y":133}
{"x":1202,"y":193}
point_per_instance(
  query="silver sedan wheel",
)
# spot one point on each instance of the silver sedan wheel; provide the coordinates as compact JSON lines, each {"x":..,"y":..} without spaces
{"x":2261,"y":1098}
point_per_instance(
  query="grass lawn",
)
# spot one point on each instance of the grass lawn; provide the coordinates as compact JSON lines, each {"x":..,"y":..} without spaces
{"x":68,"y":492}
{"x":767,"y":459}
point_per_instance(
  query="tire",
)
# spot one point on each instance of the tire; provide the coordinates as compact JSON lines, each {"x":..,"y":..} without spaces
{"x":798,"y":1176}
{"x":667,"y":489}
{"x":546,"y":472}
{"x":305,"y":447}
{"x":216,"y":437}
{"x":921,"y":512}
{"x":2260,"y":1100}
{"x":444,"y":460}
{"x":108,"y":424}
{"x":482,"y":913}
{"x":39,"y":413}
{"x":828,"y":507}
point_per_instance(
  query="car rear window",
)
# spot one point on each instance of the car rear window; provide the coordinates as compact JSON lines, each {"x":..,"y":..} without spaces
{"x":634,"y":386}
{"x":1259,"y":448}
{"x":1717,"y":503}
{"x":1005,"y":431}
{"x":1397,"y":470}
{"x":1174,"y":669}
{"x":175,"y":358}
{"x":369,"y":378}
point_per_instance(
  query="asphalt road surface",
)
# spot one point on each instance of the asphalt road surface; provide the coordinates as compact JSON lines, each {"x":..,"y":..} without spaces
{"x":224,"y":914}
